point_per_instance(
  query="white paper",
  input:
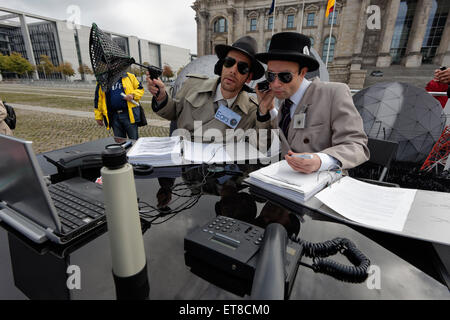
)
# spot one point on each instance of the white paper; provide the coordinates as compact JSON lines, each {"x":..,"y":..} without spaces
{"x":148,"y":146}
{"x":157,"y":151}
{"x":372,"y":205}
{"x":220,"y":153}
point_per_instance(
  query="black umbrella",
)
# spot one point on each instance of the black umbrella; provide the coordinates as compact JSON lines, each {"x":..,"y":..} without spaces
{"x":109,"y":61}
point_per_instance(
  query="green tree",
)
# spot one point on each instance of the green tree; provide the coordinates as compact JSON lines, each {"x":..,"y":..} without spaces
{"x":17,"y":64}
{"x":3,"y":63}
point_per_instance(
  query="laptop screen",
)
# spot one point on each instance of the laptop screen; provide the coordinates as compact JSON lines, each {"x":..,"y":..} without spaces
{"x":21,"y":183}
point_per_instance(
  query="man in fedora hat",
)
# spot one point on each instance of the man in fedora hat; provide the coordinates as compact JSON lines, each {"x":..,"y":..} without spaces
{"x":203,"y":99}
{"x":315,"y":118}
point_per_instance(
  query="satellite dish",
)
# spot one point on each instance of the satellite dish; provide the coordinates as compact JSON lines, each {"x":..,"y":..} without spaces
{"x":403,"y":113}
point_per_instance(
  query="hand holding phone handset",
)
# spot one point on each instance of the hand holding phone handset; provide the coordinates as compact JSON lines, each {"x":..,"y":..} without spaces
{"x":265,"y":97}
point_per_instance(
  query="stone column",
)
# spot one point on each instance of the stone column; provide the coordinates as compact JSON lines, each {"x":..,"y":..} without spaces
{"x":203,"y":37}
{"x":320,"y":22}
{"x":231,"y":12}
{"x":261,"y":28}
{"x":359,"y":39}
{"x":28,"y":46}
{"x":413,"y":56}
{"x":443,"y":51}
{"x":279,"y":20}
{"x":384,"y":58}
{"x":301,"y":17}
{"x":358,"y":76}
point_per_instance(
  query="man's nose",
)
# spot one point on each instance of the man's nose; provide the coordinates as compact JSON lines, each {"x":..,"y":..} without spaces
{"x":276,"y":83}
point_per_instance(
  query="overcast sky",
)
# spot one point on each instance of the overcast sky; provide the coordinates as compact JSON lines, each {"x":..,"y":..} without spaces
{"x":165,"y":21}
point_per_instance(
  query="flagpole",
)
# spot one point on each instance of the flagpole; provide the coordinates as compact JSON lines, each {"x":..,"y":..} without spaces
{"x":273,"y":13}
{"x":329,"y":38}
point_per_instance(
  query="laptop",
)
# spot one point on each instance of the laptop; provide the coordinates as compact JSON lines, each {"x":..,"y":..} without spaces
{"x":59,"y":212}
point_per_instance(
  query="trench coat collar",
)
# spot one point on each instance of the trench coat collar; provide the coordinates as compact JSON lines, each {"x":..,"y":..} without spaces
{"x":210,"y":86}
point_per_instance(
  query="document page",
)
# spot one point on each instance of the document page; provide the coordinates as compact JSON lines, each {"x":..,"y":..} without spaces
{"x":220,"y":153}
{"x":372,"y":205}
{"x":149,"y":146}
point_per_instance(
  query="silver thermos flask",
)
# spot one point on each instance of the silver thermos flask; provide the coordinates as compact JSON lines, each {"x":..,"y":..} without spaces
{"x":129,"y":265}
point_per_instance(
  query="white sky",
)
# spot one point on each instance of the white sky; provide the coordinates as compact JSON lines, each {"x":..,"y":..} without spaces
{"x":165,"y":21}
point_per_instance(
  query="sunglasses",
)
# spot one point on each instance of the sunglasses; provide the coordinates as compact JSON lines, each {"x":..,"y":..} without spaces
{"x":284,"y":77}
{"x":242,"y":66}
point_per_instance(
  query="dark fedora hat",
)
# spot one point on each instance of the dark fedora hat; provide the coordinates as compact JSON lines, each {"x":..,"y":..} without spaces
{"x":246,"y":45}
{"x":290,"y":46}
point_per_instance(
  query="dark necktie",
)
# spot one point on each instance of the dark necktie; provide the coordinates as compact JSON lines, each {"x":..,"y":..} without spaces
{"x":285,"y":116}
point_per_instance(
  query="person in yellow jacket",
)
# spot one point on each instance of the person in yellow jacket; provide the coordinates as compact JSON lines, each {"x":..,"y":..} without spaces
{"x":115,"y":109}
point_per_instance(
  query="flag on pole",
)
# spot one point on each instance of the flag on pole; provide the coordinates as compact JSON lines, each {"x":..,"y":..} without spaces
{"x":272,"y":7}
{"x":330,"y":7}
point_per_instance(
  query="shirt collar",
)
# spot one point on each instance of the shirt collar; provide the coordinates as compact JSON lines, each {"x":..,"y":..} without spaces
{"x":218,"y":96}
{"x":298,"y":95}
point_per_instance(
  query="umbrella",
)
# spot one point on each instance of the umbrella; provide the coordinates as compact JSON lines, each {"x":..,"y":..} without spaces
{"x":403,"y":113}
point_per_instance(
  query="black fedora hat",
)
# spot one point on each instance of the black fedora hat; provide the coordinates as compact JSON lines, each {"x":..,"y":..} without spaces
{"x":246,"y":45}
{"x":290,"y":46}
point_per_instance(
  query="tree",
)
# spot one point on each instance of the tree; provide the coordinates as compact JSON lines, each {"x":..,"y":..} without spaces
{"x":46,"y":66}
{"x":3,"y":62}
{"x":16,"y":63}
{"x":167,"y":71}
{"x":179,"y":70}
{"x":66,"y":69}
{"x":137,"y":71}
{"x":84,"y":69}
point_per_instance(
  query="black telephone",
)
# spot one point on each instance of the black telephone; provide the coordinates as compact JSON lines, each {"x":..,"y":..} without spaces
{"x":225,"y":250}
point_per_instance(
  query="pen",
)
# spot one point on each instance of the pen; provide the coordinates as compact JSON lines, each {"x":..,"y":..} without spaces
{"x":303,"y":156}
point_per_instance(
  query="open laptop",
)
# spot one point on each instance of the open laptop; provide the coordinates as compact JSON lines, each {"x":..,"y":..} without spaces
{"x":60,"y":212}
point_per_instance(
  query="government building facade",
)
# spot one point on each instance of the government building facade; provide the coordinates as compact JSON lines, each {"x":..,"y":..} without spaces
{"x":33,"y":36}
{"x":364,"y":33}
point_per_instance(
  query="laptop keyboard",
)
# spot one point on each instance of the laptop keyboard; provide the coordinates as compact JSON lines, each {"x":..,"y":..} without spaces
{"x":74,"y":209}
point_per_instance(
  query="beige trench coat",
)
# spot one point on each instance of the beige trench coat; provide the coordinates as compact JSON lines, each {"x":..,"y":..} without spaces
{"x":333,"y":125}
{"x":4,"y":129}
{"x":194,"y":102}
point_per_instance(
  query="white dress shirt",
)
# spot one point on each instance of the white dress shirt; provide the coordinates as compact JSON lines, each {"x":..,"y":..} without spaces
{"x":328,"y":162}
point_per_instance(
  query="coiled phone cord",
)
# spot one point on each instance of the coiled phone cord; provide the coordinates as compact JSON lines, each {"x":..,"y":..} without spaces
{"x":317,"y":251}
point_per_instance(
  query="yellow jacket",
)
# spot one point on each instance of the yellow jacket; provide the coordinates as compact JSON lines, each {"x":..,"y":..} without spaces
{"x":131,"y":85}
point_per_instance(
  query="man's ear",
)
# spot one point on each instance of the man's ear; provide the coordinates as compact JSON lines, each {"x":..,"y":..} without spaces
{"x":304,"y":71}
{"x":250,"y":77}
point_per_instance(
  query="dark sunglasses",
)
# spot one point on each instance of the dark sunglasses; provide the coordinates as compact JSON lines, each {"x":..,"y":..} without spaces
{"x":242,"y":66}
{"x":284,"y":77}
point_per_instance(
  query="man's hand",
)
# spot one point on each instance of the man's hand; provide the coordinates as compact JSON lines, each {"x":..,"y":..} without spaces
{"x":155,"y":85}
{"x":129,"y":97}
{"x":265,"y":100}
{"x":303,"y":165}
{"x":443,"y":76}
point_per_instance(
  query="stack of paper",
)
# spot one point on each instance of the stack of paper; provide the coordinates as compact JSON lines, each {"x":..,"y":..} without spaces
{"x":156,"y":151}
{"x":369,"y":204}
{"x":221,"y":153}
{"x":279,"y":178}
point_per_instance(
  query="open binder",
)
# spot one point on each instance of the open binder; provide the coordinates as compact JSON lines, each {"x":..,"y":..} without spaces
{"x":175,"y":151}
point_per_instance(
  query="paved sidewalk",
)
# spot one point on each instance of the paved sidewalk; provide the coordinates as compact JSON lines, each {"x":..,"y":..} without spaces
{"x":82,"y":114}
